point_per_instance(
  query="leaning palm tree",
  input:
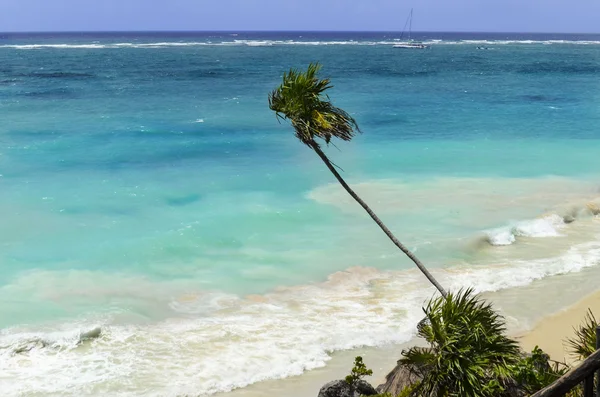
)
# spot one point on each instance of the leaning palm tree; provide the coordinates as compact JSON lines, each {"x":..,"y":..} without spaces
{"x":301,"y":99}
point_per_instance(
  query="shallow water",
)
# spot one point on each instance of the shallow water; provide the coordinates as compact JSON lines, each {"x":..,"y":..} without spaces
{"x":148,"y":190}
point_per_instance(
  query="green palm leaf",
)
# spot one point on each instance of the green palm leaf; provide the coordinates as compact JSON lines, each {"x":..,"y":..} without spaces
{"x":469,"y":355}
{"x":583,"y":344}
{"x":301,"y":98}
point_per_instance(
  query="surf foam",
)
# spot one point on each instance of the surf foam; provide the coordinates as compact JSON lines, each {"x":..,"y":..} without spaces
{"x":238,"y":341}
{"x":269,"y":43}
{"x":547,"y":226}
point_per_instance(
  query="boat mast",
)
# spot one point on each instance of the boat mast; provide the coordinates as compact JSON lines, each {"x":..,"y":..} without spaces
{"x":410,"y":24}
{"x":409,"y":19}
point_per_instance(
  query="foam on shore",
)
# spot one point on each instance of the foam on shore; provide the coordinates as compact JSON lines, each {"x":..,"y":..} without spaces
{"x":238,"y":341}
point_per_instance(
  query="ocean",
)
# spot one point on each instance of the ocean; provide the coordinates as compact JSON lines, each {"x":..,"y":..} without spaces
{"x":148,"y":194}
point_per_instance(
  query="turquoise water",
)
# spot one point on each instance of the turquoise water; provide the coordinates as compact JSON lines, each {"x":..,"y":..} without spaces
{"x":147,"y":189}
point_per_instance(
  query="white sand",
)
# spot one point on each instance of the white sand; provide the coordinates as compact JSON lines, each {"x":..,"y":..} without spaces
{"x":551,"y":332}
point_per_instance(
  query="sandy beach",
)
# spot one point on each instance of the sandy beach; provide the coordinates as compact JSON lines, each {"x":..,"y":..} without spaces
{"x":551,"y":332}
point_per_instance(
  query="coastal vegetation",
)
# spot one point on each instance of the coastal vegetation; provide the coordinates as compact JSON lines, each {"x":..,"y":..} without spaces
{"x":468,"y":352}
{"x":359,"y":371}
{"x":468,"y":355}
{"x":583,"y":343}
{"x":301,"y":98}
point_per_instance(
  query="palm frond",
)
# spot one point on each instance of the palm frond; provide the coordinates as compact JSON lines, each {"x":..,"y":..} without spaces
{"x":418,"y":357}
{"x":301,"y":99}
{"x":583,"y":344}
{"x":469,"y":355}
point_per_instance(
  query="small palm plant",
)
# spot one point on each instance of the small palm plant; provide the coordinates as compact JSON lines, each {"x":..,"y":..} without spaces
{"x":301,"y":99}
{"x":583,"y":344}
{"x":468,"y":353}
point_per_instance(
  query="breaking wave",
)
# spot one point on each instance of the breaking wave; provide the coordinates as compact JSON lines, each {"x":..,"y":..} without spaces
{"x":26,"y":342}
{"x":269,"y":43}
{"x":219,"y":342}
{"x":548,"y":226}
{"x":545,"y":226}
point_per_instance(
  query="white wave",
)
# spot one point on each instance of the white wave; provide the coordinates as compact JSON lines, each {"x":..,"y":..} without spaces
{"x":269,"y":43}
{"x":103,"y":46}
{"x":512,"y":42}
{"x":258,"y":43}
{"x":236,"y":341}
{"x":264,"y":337}
{"x":55,"y":46}
{"x":501,"y":237}
{"x":255,"y":43}
{"x":522,"y":273}
{"x":547,"y":226}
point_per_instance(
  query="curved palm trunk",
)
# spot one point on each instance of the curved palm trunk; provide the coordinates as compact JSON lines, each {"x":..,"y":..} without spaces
{"x":378,"y":221}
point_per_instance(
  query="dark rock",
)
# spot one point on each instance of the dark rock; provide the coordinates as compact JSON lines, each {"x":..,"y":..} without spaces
{"x":365,"y":389}
{"x":568,"y":219}
{"x":341,"y":388}
{"x":336,"y":388}
{"x":91,"y":334}
{"x":29,"y":345}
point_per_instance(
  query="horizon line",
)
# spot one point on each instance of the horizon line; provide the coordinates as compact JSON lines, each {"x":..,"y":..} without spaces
{"x":285,"y":31}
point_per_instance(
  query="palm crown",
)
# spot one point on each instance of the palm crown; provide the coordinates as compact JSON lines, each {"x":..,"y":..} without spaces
{"x":301,"y":99}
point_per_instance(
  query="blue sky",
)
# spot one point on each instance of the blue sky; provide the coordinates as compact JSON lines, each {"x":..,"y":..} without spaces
{"x":582,"y":16}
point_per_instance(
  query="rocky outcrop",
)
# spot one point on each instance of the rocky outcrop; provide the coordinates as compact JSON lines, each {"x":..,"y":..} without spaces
{"x":568,"y":219}
{"x":341,"y":388}
{"x":35,"y":343}
{"x":91,"y":334}
{"x":398,"y":379}
{"x":593,"y":208}
{"x":365,"y":389}
{"x":403,"y":376}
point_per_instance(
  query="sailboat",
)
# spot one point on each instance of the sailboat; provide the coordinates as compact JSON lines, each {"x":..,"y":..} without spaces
{"x":410,"y":43}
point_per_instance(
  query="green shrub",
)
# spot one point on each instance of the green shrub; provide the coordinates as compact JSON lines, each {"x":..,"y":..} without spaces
{"x":358,"y":372}
{"x":536,"y":371}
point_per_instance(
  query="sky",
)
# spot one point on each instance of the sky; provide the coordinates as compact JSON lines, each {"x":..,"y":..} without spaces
{"x":561,"y":16}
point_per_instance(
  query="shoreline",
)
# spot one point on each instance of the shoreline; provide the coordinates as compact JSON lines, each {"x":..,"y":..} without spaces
{"x":551,"y":331}
{"x":548,"y":332}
